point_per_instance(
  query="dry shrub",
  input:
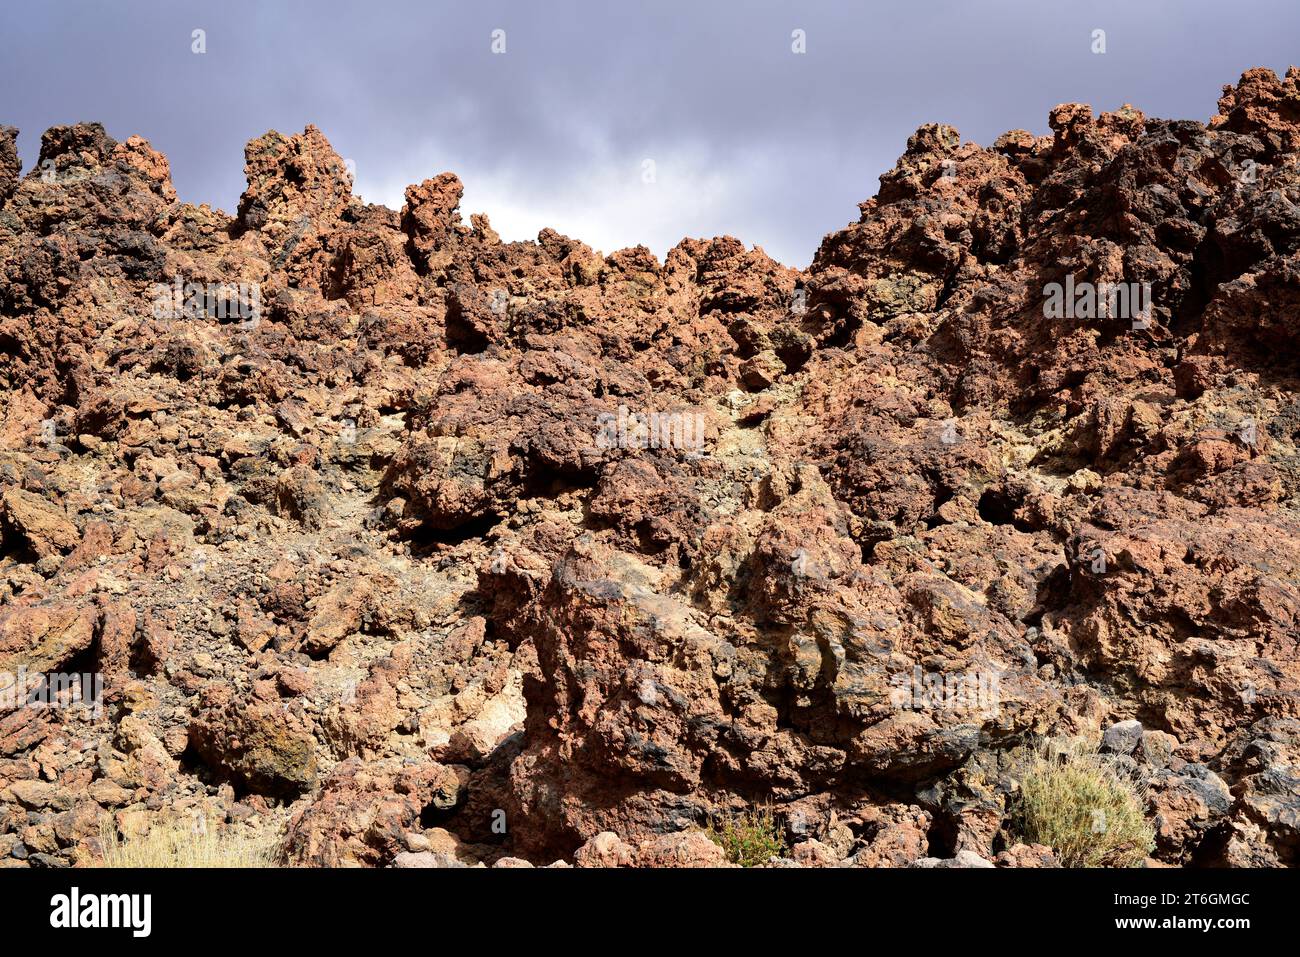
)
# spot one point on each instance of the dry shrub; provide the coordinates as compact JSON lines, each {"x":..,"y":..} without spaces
{"x":750,"y":838}
{"x":1077,"y":803}
{"x":186,"y":843}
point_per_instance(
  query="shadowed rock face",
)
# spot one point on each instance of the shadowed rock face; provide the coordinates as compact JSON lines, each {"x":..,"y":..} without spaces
{"x":440,"y":550}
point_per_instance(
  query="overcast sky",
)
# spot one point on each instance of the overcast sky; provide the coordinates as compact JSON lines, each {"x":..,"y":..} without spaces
{"x":747,"y":137}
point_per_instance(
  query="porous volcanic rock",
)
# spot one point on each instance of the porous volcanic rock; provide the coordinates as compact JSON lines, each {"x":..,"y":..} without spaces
{"x":420,"y":548}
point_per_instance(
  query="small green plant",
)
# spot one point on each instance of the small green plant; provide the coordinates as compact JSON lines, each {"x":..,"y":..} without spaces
{"x":1073,"y":801}
{"x":749,"y":838}
{"x":181,"y":843}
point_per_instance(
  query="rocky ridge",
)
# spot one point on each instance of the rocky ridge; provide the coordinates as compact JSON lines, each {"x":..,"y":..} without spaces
{"x":366,"y":533}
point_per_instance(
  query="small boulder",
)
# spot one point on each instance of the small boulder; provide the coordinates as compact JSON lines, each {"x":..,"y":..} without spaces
{"x":684,"y":849}
{"x":1122,"y":738}
{"x":962,"y":859}
{"x":606,"y":849}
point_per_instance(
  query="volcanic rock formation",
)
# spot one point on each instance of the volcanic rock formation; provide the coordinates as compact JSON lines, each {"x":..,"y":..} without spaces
{"x":429,"y":549}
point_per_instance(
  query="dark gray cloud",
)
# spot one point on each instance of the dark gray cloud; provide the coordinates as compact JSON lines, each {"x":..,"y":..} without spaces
{"x":746,"y":137}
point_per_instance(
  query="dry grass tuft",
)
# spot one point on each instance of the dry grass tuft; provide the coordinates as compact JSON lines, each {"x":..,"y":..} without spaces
{"x":182,"y":843}
{"x":1075,"y":802}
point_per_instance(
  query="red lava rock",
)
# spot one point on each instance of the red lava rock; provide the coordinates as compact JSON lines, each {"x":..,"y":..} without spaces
{"x":688,"y":849}
{"x":259,"y":746}
{"x":363,"y":810}
{"x":441,"y":550}
{"x":1026,"y":855}
{"x":604,"y":850}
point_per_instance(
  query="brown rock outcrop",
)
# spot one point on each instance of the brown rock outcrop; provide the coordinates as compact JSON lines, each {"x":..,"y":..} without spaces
{"x":449,"y":551}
